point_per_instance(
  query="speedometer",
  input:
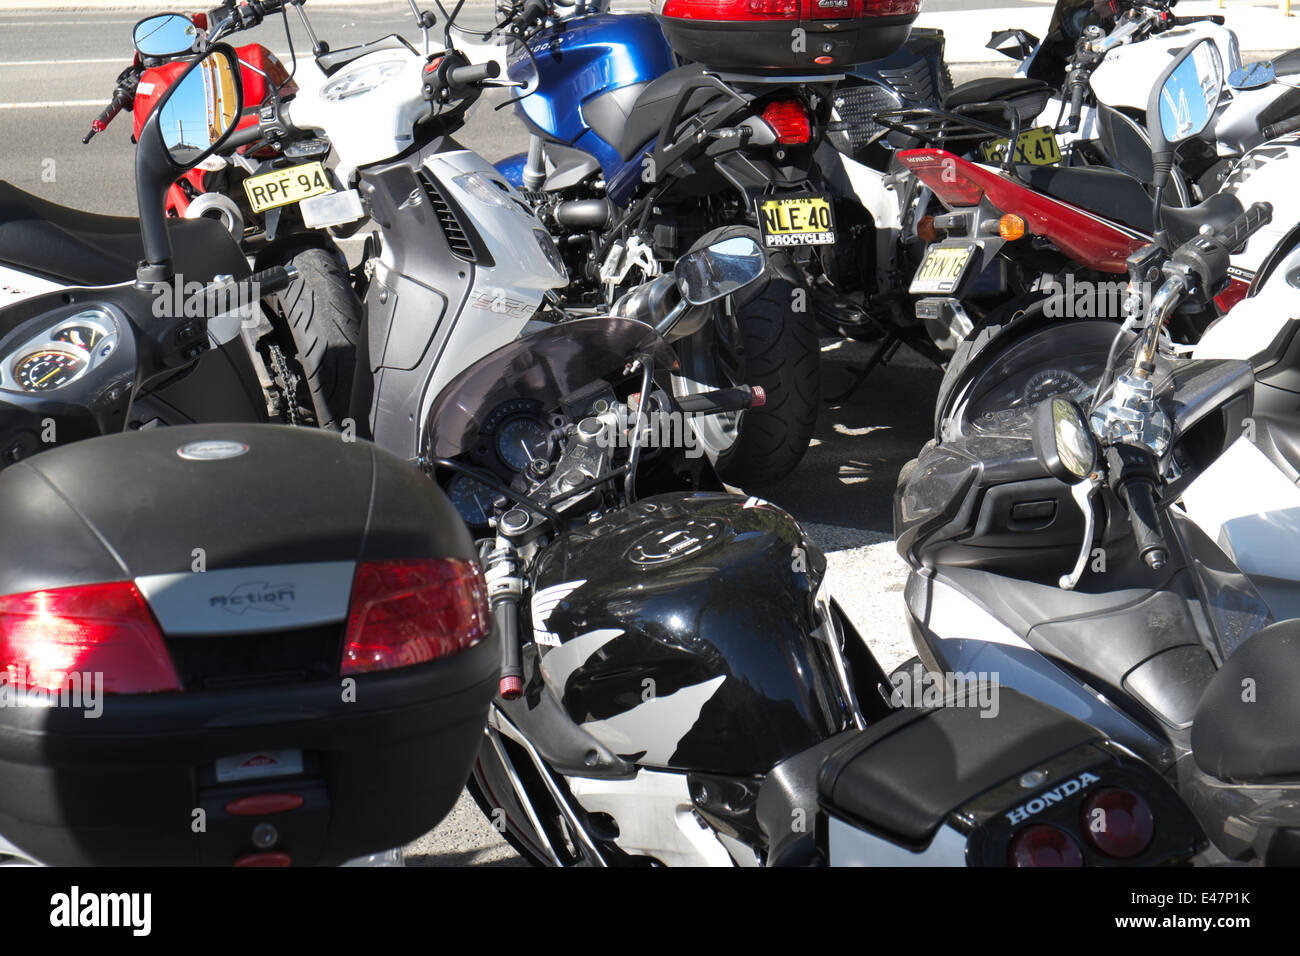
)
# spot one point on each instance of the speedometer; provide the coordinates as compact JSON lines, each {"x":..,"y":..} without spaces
{"x":520,"y":440}
{"x":1051,"y":382}
{"x":49,"y":368}
{"x":472,"y":498}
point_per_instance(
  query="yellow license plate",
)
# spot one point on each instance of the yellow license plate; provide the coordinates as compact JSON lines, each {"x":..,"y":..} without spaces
{"x":796,"y":221}
{"x":1036,"y":147}
{"x":942,"y":270}
{"x":285,"y":186}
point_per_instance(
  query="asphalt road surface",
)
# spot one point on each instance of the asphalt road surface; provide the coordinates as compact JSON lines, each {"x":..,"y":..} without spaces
{"x":57,"y":71}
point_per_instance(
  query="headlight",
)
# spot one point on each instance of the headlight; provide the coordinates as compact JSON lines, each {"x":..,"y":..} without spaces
{"x":359,"y":81}
{"x":484,"y":190}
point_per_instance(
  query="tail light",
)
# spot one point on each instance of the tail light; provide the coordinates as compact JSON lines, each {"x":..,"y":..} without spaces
{"x":408,"y":612}
{"x":105,"y":630}
{"x":1043,"y":845}
{"x":1118,"y":823}
{"x":789,"y":120}
{"x":1081,"y":235}
{"x":758,"y":10}
{"x":944,"y":175}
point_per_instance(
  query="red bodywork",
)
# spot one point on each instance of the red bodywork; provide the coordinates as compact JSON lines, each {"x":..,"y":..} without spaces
{"x":1085,"y":237}
{"x":257,"y":86}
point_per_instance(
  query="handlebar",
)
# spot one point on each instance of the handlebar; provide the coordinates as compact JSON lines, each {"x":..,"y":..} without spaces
{"x":1135,"y":477}
{"x":1246,"y":225}
{"x":461,"y":77}
{"x":736,"y":399}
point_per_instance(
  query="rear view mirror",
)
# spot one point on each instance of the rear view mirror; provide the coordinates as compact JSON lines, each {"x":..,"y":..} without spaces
{"x":1183,"y":103}
{"x":200,"y":109}
{"x":723,"y":269}
{"x":1063,"y":441}
{"x":191,"y":120}
{"x":1252,"y":76}
{"x":167,"y":35}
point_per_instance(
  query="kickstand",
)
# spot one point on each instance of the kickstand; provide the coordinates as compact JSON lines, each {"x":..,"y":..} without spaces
{"x":883,"y":353}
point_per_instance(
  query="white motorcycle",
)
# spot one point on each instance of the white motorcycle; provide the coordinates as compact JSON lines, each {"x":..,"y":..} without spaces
{"x":458,"y":264}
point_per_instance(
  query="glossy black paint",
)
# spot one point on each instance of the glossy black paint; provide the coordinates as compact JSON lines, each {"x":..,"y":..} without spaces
{"x":736,"y":602}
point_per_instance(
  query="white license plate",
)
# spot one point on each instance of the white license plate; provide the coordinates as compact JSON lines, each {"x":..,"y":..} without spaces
{"x":942,"y":270}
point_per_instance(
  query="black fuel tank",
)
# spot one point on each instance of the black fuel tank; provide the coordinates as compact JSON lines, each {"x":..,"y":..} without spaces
{"x":682,"y":633}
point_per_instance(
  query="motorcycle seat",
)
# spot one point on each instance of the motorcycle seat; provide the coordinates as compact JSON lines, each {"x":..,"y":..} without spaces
{"x":1121,"y":198}
{"x":86,"y":249}
{"x":1244,"y":727}
{"x":655,"y":104}
{"x":991,"y":89}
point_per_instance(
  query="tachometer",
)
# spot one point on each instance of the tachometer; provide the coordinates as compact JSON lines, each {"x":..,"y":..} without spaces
{"x":82,"y":336}
{"x":49,"y":368}
{"x":1051,"y":382}
{"x":472,"y":498}
{"x":520,"y":440}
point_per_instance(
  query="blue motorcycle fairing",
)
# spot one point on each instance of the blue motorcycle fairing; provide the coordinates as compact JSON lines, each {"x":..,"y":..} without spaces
{"x":581,"y":59}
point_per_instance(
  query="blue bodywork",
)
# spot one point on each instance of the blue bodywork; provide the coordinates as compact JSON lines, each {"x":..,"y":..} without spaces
{"x":580,"y":59}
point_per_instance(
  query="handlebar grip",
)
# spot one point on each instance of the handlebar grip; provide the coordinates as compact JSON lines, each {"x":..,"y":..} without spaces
{"x":242,"y":137}
{"x":1076,"y":99}
{"x":1246,"y":225}
{"x":473,"y":74}
{"x":505,"y":611}
{"x":724,"y":400}
{"x":1138,"y":497}
{"x":274,"y":279}
{"x":1281,"y":128}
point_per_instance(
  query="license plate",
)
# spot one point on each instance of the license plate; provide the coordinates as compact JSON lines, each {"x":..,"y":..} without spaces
{"x":259,"y":763}
{"x":285,"y":186}
{"x":942,"y":269}
{"x":796,"y":221}
{"x":1035,"y":147}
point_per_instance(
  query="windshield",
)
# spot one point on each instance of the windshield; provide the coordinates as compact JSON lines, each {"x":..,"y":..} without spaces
{"x":544,"y":367}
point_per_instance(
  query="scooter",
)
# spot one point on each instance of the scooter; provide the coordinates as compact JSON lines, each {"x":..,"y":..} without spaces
{"x":304,"y":345}
{"x":304,"y":685}
{"x":1048,"y":548}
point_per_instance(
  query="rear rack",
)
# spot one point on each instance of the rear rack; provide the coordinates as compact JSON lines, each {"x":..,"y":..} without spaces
{"x":946,"y":128}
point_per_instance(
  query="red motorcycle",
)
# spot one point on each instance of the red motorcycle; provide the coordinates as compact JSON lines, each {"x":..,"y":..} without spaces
{"x":1015,"y":249}
{"x":305,"y":348}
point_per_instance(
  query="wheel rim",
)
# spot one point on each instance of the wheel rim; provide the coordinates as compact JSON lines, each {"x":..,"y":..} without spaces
{"x":708,"y":362}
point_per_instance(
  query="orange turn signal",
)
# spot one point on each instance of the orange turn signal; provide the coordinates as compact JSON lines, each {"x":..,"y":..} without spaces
{"x":1011,"y":227}
{"x":925,"y":229}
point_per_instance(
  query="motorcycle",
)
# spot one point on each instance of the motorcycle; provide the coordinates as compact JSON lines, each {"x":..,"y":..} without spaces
{"x":1150,"y":629}
{"x":189,"y":689}
{"x":304,"y":344}
{"x":659,"y":156}
{"x":650,"y":621}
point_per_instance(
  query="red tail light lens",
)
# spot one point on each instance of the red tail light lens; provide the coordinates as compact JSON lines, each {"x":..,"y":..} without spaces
{"x":408,"y":612}
{"x":945,"y":176}
{"x":1043,"y":845}
{"x":890,"y":8}
{"x":738,"y":10}
{"x":1118,"y":823}
{"x":99,"y":629}
{"x":789,"y":120}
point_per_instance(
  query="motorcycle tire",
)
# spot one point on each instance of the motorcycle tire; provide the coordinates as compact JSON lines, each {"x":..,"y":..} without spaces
{"x":324,"y":316}
{"x":781,"y":353}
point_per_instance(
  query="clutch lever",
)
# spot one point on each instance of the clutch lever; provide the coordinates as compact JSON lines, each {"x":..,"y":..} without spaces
{"x":1083,"y":493}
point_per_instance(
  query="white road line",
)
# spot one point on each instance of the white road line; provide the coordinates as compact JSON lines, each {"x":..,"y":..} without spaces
{"x":50,"y":104}
{"x":107,"y":59}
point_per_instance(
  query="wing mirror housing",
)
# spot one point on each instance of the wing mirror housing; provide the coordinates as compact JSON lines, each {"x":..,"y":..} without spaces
{"x":1063,"y":442}
{"x":191,"y":121}
{"x":720,"y":270}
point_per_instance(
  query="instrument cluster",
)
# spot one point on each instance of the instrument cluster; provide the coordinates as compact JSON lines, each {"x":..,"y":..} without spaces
{"x":61,"y":354}
{"x":512,"y":436}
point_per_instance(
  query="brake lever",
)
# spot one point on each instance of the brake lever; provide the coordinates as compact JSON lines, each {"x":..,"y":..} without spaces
{"x":1083,"y":493}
